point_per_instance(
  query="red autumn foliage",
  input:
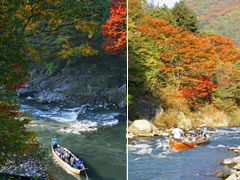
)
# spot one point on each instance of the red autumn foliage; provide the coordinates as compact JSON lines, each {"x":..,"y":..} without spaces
{"x":201,"y":89}
{"x":115,"y":28}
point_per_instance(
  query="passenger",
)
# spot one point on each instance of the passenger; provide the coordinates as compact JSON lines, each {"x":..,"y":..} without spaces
{"x":55,"y":142}
{"x":67,"y":155}
{"x":186,"y":139}
{"x":78,"y":164}
{"x":72,"y":161}
{"x":204,"y":130}
{"x":66,"y":160}
{"x":63,"y":157}
{"x":176,"y":132}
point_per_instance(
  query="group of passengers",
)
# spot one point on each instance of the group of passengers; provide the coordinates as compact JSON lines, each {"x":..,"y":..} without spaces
{"x":190,"y":137}
{"x":66,"y":156}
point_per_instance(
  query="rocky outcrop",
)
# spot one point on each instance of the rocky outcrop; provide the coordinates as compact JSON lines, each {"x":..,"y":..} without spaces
{"x":95,"y":80}
{"x":143,"y":128}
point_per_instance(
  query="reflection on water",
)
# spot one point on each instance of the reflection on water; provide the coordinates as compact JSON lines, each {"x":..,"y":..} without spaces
{"x":153,"y":159}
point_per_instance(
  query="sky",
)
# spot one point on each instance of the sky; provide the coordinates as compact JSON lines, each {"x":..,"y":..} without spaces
{"x":169,"y":3}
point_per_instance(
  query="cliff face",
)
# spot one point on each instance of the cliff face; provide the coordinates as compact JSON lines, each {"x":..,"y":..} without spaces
{"x":97,"y":80}
{"x":221,"y":17}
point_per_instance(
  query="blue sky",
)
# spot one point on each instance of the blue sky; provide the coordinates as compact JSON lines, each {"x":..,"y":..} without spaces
{"x":169,"y":3}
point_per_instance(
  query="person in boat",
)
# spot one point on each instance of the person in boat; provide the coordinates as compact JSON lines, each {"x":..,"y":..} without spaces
{"x":72,"y":159}
{"x":186,"y":139}
{"x":204,"y":130}
{"x":78,"y":164}
{"x":55,"y":142}
{"x":177,"y":132}
{"x":63,"y":157}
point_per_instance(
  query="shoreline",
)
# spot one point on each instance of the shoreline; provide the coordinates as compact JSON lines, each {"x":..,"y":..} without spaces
{"x":233,"y":163}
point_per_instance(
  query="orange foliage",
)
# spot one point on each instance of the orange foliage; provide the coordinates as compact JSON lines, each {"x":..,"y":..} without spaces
{"x":190,"y":60}
{"x":115,"y":28}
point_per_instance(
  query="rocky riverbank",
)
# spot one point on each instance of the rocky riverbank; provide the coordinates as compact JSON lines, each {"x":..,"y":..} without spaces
{"x":145,"y":128}
{"x":234,"y":163}
{"x":97,"y":81}
{"x":27,"y":167}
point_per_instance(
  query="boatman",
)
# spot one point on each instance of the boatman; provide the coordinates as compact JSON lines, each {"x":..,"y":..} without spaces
{"x":55,"y":142}
{"x":176,"y":132}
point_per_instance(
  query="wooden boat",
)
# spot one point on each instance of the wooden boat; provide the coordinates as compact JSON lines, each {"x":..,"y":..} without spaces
{"x":181,"y":145}
{"x":66,"y":165}
{"x":178,"y":145}
{"x":204,"y":141}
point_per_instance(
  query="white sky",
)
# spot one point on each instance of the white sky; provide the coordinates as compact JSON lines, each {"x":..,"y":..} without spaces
{"x":169,"y":3}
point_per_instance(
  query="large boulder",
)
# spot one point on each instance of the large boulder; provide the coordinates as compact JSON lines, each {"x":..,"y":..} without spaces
{"x":143,"y":128}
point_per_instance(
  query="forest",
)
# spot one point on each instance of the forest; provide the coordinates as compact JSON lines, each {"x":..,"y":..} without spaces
{"x":221,"y":17}
{"x":177,"y":68}
{"x":36,"y":33}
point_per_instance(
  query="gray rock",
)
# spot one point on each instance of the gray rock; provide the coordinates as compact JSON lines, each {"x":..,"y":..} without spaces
{"x":143,"y":128}
{"x":227,"y":161}
{"x":232,"y":177}
{"x":222,"y":174}
{"x":237,"y":167}
{"x":236,"y":159}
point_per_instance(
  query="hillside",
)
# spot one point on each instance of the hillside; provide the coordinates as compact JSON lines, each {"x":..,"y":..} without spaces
{"x":221,"y":17}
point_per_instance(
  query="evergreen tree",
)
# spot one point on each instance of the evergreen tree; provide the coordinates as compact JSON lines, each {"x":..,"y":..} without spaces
{"x":162,"y":13}
{"x":185,"y":17}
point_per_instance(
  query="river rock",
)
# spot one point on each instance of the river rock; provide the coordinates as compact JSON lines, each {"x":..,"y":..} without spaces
{"x":227,"y":161}
{"x":232,"y":177}
{"x":143,"y":128}
{"x":222,"y":174}
{"x":237,"y":167}
{"x":165,"y":134}
{"x":130,"y":135}
{"x":236,"y":159}
{"x":232,"y":148}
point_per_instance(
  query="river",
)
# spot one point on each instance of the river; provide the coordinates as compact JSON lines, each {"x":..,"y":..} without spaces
{"x":152,"y":159}
{"x":98,"y":137}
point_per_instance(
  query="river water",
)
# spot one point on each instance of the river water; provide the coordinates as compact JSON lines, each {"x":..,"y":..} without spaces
{"x":97,"y":137}
{"x":152,"y":159}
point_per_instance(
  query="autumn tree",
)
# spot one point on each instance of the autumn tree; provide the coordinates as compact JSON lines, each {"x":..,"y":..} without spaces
{"x":189,"y":61}
{"x":21,"y":22}
{"x":115,"y":28}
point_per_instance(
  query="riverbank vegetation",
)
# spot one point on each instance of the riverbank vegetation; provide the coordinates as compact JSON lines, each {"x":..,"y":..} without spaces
{"x":38,"y":32}
{"x":175,"y":65}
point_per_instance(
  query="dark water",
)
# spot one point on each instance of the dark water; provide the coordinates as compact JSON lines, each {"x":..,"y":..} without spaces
{"x":98,"y":139}
{"x":152,"y":159}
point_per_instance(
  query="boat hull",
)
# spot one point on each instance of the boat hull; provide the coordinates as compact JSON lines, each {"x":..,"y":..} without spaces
{"x":180,"y":145}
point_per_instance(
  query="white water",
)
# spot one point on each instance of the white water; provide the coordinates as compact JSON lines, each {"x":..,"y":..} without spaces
{"x":66,"y":118}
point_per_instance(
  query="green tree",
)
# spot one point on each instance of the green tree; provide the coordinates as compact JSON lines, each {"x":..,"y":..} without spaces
{"x":185,"y":17}
{"x":162,"y":13}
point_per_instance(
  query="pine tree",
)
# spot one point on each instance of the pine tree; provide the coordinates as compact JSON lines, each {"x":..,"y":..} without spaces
{"x":185,"y":17}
